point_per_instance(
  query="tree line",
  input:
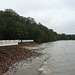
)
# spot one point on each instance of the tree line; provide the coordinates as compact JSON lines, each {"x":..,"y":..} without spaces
{"x":13,"y":26}
{"x":66,"y":37}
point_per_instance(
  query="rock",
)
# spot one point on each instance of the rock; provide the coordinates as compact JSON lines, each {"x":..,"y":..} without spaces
{"x":13,"y":54}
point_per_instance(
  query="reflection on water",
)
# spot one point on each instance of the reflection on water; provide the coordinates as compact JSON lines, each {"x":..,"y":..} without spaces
{"x":62,"y":60}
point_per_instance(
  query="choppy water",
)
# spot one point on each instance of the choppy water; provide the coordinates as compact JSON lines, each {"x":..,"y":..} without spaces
{"x":62,"y":57}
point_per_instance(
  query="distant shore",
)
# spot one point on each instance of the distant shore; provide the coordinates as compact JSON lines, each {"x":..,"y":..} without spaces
{"x":14,"y":54}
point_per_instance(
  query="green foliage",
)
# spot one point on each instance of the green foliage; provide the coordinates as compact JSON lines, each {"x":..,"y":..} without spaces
{"x":66,"y":37}
{"x":14,"y":26}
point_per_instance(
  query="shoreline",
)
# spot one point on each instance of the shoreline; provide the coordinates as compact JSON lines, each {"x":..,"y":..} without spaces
{"x":10,"y":55}
{"x":30,"y":67}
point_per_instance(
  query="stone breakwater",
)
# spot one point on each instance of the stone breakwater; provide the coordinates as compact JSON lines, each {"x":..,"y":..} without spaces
{"x":10,"y":55}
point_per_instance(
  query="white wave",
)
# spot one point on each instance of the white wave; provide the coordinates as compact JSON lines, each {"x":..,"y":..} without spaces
{"x":45,"y":69}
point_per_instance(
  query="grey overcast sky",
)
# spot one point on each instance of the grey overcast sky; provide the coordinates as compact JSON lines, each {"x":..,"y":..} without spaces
{"x":58,"y":15}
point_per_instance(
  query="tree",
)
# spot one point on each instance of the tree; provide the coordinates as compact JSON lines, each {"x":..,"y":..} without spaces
{"x":14,"y":26}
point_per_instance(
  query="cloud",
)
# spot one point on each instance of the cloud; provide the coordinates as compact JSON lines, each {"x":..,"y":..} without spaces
{"x":56,"y":14}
